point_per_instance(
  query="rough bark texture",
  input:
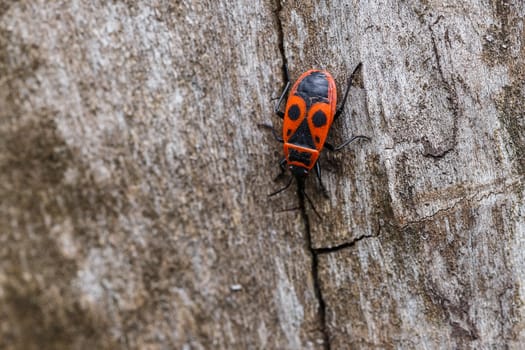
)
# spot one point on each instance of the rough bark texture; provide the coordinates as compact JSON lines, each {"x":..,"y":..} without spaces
{"x":133,"y":176}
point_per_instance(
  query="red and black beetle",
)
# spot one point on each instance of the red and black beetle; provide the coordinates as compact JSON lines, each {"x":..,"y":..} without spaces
{"x":309,"y":114}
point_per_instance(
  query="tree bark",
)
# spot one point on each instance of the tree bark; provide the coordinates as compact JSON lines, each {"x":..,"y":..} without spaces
{"x":134,"y":177}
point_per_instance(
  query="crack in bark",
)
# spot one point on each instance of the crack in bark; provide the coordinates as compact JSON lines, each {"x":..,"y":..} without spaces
{"x":435,"y":49}
{"x":280,"y":35}
{"x":477,"y":196}
{"x":315,"y":271}
{"x":429,"y":150}
{"x":302,"y":207}
{"x":437,"y":212}
{"x":314,"y":252}
{"x":339,"y":247}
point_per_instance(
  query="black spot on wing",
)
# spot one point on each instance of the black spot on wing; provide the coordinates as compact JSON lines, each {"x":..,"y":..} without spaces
{"x":288,"y":132}
{"x":302,"y":136}
{"x":319,"y":119}
{"x":294,"y":112}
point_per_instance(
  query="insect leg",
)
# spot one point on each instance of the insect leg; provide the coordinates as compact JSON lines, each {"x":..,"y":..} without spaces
{"x":331,"y":147}
{"x":318,"y":173}
{"x":282,"y":189}
{"x":289,"y":209}
{"x":275,"y":135}
{"x":285,"y":90}
{"x":342,"y":106}
{"x":302,"y":195}
{"x":282,"y":165}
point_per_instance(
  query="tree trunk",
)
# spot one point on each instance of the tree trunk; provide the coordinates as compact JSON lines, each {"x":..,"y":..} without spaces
{"x":134,"y":177}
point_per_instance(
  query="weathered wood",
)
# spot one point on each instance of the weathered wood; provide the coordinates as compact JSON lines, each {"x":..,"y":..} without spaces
{"x":133,"y":177}
{"x":422,"y":242}
{"x":134,"y":180}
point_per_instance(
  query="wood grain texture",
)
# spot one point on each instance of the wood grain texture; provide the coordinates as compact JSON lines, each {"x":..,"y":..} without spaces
{"x":133,"y":177}
{"x":134,"y":180}
{"x":422,"y":241}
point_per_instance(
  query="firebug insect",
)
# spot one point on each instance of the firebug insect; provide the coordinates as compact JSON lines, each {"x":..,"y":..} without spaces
{"x":309,"y":113}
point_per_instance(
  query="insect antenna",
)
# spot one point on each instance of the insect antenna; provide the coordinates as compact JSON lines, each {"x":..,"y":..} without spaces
{"x":302,"y":195}
{"x":282,"y":189}
{"x":311,"y":204}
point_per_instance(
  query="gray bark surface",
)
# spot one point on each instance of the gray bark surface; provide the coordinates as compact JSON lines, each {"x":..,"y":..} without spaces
{"x":134,"y":178}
